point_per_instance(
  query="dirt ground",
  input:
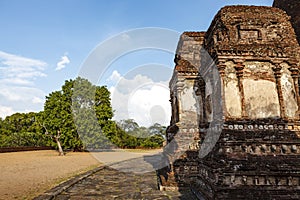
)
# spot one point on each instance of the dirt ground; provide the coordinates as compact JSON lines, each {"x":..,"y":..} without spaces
{"x":24,"y":175}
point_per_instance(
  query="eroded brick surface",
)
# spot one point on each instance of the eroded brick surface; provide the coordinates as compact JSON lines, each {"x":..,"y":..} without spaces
{"x":292,"y":7}
{"x":257,"y":156}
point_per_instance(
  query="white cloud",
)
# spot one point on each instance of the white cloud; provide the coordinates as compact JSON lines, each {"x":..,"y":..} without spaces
{"x":15,"y":81}
{"x":17,"y":89}
{"x":125,"y":37}
{"x":62,"y":63}
{"x":141,"y":99}
{"x":19,"y":70}
{"x":10,"y":93}
{"x":38,"y":100}
{"x":21,"y":98}
{"x":114,"y":77}
{"x":20,"y":61}
{"x":150,"y":104}
{"x":5,"y":111}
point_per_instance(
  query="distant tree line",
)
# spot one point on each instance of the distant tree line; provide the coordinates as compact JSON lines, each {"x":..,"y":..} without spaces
{"x":77,"y":117}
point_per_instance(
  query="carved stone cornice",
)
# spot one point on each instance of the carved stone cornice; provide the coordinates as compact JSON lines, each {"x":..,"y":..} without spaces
{"x":294,"y":69}
{"x":239,"y":67}
{"x":221,"y":67}
{"x":277,"y":70}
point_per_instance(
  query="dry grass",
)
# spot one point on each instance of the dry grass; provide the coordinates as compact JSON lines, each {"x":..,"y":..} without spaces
{"x":25,"y":175}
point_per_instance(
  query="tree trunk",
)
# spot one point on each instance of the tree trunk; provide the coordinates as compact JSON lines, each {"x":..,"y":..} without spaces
{"x":60,"y":150}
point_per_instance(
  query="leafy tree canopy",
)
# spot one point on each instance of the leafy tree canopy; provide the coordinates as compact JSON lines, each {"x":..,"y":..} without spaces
{"x":78,"y":117}
{"x":21,"y":129}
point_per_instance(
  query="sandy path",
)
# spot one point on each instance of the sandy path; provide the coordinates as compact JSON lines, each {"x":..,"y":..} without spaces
{"x":24,"y":175}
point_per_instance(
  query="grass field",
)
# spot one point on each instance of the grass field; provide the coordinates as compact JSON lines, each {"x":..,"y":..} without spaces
{"x":25,"y":175}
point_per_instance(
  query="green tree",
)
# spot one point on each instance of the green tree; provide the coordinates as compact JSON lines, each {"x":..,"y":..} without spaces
{"x":128,"y":125}
{"x":2,"y":136}
{"x":79,"y":116}
{"x":22,"y":129}
{"x":57,"y":119}
{"x":92,"y":113}
{"x":157,"y":129}
{"x":134,"y":136}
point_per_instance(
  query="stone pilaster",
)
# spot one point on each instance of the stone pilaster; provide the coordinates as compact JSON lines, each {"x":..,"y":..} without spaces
{"x":221,"y":67}
{"x":239,"y":73}
{"x":200,"y":92}
{"x":277,"y":74}
{"x":295,"y":75}
{"x":179,"y":89}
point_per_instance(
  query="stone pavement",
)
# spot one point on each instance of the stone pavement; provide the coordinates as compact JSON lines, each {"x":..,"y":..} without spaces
{"x":115,"y":182}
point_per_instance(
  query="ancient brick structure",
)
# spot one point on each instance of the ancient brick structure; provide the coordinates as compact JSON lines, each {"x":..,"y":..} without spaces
{"x":183,"y":132}
{"x":257,"y":152}
{"x":185,"y":76}
{"x":292,"y":8}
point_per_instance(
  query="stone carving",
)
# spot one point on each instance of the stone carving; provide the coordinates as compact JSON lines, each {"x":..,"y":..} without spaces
{"x":258,"y":152}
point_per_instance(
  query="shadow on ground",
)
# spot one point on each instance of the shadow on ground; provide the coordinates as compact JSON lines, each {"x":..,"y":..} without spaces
{"x":131,"y":179}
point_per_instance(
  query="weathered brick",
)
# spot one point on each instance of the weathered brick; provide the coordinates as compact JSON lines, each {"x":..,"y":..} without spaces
{"x":256,"y":54}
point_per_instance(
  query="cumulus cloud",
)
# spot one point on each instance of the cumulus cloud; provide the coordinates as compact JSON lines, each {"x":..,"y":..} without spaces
{"x":64,"y":60}
{"x":20,"y":99}
{"x":17,"y":90}
{"x":149,"y":104}
{"x":5,"y":111}
{"x":114,"y":77}
{"x":141,"y":99}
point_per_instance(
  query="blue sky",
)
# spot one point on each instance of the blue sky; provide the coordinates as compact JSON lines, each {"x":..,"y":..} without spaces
{"x":37,"y":35}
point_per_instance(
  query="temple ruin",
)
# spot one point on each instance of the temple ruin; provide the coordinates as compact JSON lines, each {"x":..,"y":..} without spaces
{"x":235,"y":87}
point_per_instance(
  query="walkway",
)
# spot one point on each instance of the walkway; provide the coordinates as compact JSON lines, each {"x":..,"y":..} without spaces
{"x":116,"y":182}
